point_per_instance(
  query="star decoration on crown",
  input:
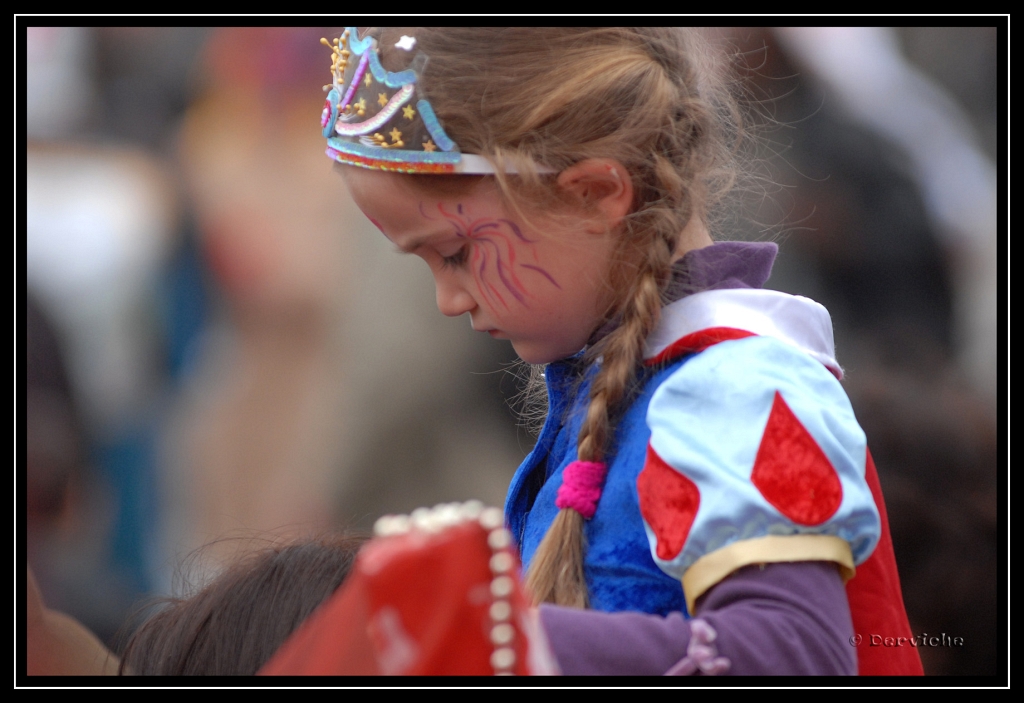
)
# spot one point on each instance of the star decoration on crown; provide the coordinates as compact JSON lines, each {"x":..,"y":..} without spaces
{"x":366,"y":102}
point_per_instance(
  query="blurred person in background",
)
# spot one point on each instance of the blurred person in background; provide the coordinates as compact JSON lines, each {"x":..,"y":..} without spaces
{"x":888,"y":211}
{"x":103,"y":225}
{"x":313,"y":401}
{"x":253,"y":442}
{"x":60,"y":483}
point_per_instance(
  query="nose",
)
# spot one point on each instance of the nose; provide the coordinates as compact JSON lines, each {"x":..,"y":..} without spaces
{"x":452,"y":298}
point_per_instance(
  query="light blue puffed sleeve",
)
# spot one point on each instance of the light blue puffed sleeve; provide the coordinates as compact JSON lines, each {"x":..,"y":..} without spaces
{"x":755,"y":456}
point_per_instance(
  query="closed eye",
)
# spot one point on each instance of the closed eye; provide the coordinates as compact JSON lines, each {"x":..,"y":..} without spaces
{"x":457,"y":259}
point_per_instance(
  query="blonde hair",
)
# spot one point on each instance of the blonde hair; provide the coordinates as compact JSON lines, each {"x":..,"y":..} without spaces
{"x":650,"y":98}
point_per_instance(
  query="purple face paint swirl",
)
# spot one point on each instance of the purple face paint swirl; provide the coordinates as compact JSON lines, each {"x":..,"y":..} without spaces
{"x":494,"y":261}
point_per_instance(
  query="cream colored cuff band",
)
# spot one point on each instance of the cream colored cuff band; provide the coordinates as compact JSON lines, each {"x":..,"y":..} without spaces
{"x":712,"y":568}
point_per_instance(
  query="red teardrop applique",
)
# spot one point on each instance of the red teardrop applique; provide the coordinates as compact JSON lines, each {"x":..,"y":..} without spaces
{"x":668,"y":502}
{"x":792,"y":472}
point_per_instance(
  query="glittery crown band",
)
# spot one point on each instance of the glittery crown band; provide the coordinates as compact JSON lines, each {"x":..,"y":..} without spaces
{"x":374,"y":118}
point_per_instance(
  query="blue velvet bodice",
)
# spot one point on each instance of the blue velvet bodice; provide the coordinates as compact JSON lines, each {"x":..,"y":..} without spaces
{"x":620,"y":571}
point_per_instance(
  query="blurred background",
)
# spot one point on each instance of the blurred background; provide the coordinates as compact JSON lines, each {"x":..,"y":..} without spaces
{"x":221,"y":349}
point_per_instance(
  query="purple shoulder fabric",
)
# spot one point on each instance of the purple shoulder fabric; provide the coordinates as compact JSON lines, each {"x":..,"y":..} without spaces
{"x":782,"y":619}
{"x":722,"y":265}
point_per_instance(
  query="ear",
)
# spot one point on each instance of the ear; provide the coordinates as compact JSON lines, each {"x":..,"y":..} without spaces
{"x":604,"y":189}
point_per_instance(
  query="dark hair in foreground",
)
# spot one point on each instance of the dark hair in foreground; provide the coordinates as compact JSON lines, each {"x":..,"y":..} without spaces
{"x":235,"y":624}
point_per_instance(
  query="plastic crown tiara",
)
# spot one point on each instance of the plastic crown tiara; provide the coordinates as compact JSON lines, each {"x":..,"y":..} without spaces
{"x":370,"y":119}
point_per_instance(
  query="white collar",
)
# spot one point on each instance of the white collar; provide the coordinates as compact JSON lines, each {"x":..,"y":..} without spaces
{"x":792,"y":319}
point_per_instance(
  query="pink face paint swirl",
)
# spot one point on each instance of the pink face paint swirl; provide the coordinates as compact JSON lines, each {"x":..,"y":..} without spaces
{"x":496,"y":244}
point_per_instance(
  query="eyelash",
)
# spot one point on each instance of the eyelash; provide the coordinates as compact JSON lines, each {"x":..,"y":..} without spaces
{"x":457,"y":259}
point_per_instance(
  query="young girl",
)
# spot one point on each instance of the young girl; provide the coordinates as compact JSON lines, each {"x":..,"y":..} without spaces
{"x":700,"y":498}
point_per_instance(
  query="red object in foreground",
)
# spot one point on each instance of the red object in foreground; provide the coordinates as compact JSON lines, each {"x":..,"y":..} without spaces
{"x":438,"y":602}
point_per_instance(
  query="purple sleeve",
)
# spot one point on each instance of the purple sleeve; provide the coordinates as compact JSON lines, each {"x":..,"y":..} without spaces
{"x":783,"y":619}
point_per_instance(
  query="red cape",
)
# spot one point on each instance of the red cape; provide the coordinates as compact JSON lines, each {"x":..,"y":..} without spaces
{"x":876,"y":603}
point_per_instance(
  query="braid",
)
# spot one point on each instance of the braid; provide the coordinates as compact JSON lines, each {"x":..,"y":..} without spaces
{"x":556,"y":573}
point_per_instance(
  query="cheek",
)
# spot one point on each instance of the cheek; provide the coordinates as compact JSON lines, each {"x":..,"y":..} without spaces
{"x":506,"y":265}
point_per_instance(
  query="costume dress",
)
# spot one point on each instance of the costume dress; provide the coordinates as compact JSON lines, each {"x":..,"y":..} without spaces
{"x":738,"y":449}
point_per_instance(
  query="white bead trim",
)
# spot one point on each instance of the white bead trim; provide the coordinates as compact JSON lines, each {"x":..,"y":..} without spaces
{"x":432,"y":521}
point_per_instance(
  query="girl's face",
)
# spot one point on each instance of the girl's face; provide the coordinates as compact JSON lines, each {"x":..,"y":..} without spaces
{"x":542,"y":286}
